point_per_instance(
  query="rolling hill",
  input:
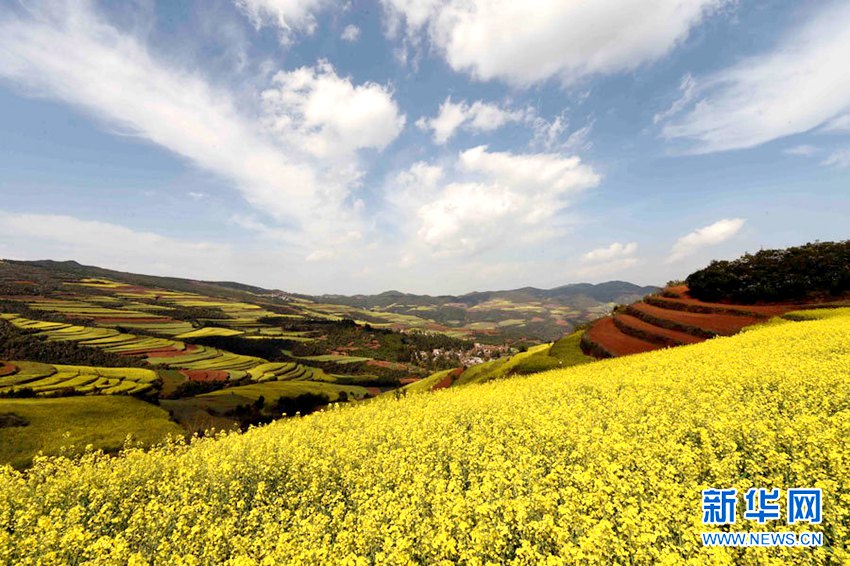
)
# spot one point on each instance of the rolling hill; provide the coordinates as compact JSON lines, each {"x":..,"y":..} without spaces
{"x":224,"y":354}
{"x":527,"y":313}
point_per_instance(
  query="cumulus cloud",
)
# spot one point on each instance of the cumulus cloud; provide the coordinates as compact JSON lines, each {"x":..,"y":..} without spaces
{"x":351,"y":33}
{"x":801,"y":84}
{"x":615,"y":250}
{"x":289,"y":16}
{"x":328,"y":115}
{"x":527,"y":42}
{"x":489,"y":198}
{"x":711,"y":235}
{"x":479,"y":116}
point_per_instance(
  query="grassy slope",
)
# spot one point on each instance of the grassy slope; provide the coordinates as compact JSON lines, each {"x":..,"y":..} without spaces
{"x":562,"y":354}
{"x":426,"y":384}
{"x":274,"y":390}
{"x":102,"y":421}
{"x":601,"y":463}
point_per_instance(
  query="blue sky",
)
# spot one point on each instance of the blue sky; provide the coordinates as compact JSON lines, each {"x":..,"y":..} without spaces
{"x":437,"y":146}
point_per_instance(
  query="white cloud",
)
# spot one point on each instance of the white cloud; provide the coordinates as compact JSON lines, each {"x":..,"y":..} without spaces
{"x":417,"y":184}
{"x":449,"y":119}
{"x":803,"y":150}
{"x":479,"y":116}
{"x":76,"y":57}
{"x":687,"y":90}
{"x":328,"y":115}
{"x":290,"y":16}
{"x":539,"y":174}
{"x":301,"y":173}
{"x":548,"y":135}
{"x":527,"y":42}
{"x":351,"y":33}
{"x":40,"y":236}
{"x":467,"y":217}
{"x":195,"y":195}
{"x":803,"y":83}
{"x":711,"y":235}
{"x":839,"y":124}
{"x":840,"y":159}
{"x":607,"y":268}
{"x":615,"y":250}
{"x":320,"y":255}
{"x":489,"y":199}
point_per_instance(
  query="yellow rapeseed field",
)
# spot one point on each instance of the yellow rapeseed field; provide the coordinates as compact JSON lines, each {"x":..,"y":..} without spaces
{"x":597,"y":464}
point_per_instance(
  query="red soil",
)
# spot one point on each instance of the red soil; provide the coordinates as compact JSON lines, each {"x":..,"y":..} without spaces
{"x":675,"y":318}
{"x":374,"y":391}
{"x":723,"y":324}
{"x":171,"y":352}
{"x":448,"y":380}
{"x":766,"y":309}
{"x":652,"y":333}
{"x":409,"y":380}
{"x":444,"y":383}
{"x":604,"y":333}
{"x":7,"y":369}
{"x":205,"y":375}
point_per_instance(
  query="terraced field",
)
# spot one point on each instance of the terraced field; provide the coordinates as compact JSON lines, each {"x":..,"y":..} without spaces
{"x":674,"y":318}
{"x":46,"y":379}
{"x":157,"y":351}
{"x":95,"y":310}
{"x":196,"y":363}
{"x":239,"y":316}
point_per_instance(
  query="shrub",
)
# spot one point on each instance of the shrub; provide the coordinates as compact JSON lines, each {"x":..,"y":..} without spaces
{"x":776,"y":275}
{"x":304,"y":404}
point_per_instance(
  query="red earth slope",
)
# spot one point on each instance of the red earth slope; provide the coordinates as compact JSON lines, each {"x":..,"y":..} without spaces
{"x":673,"y":318}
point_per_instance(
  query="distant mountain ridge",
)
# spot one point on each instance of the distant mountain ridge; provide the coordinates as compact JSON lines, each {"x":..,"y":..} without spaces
{"x":607,"y":292}
{"x":526,"y":314}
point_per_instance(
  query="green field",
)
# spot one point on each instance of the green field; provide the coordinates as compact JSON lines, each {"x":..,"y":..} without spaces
{"x":76,"y":422}
{"x":273,"y":390}
{"x":45,"y":379}
{"x":566,"y":352}
{"x":335,"y":358}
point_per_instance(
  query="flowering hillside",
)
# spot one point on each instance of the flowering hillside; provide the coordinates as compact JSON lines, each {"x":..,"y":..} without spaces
{"x":600,"y":463}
